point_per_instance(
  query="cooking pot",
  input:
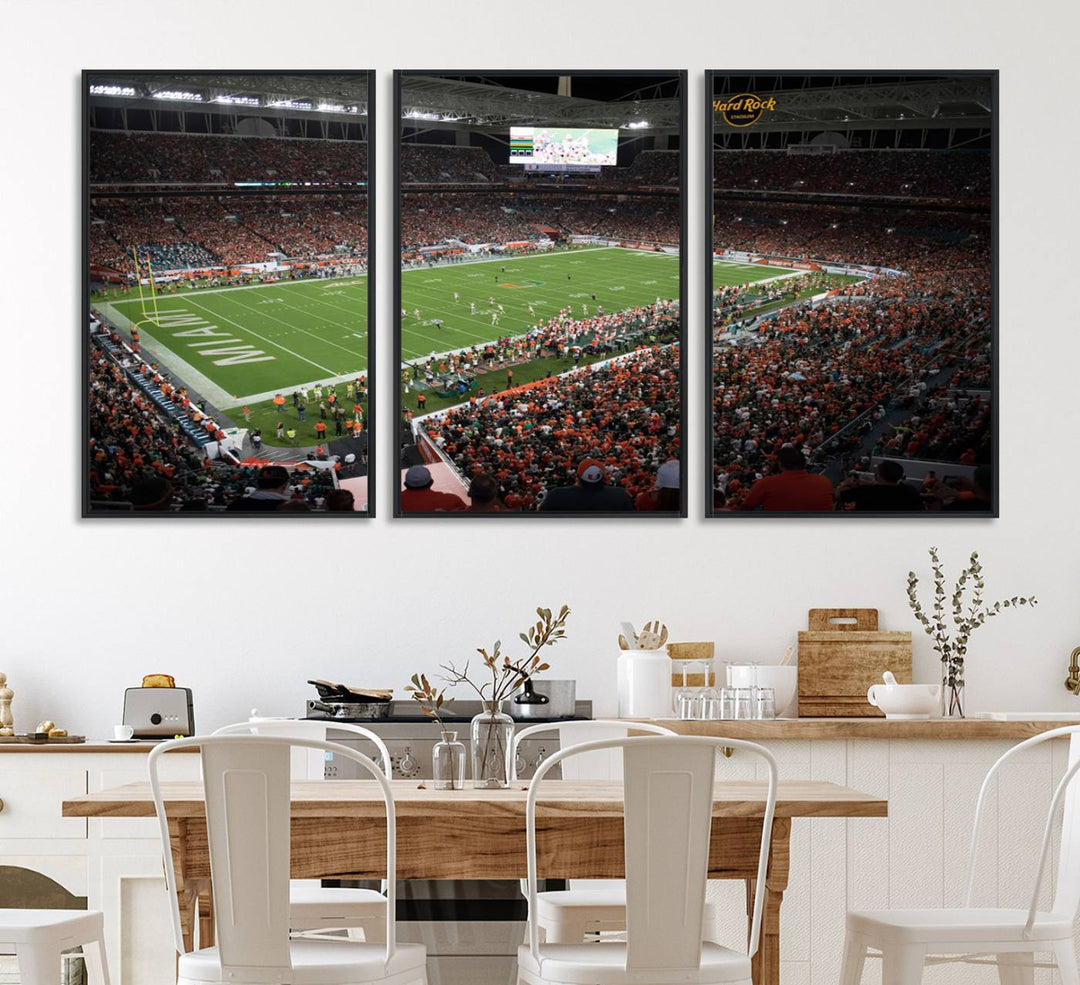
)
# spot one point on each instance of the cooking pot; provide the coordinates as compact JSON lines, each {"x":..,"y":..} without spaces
{"x":348,"y":709}
{"x":544,"y":699}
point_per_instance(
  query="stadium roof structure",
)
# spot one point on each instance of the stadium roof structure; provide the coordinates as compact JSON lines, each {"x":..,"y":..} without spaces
{"x":449,"y":103}
{"x":960,"y":102}
{"x":314,"y":95}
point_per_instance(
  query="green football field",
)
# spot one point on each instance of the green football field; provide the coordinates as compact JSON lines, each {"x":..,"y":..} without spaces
{"x":240,"y":345}
{"x":547,"y":283}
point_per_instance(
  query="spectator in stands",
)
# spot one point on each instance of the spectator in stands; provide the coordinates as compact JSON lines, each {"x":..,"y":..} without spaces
{"x":418,"y":496}
{"x":484,"y":494}
{"x":792,"y":490}
{"x":340,"y":501}
{"x":152,"y":493}
{"x":664,"y":496}
{"x":269,"y":493}
{"x":590,"y":495}
{"x":977,"y":500}
{"x":887,"y":494}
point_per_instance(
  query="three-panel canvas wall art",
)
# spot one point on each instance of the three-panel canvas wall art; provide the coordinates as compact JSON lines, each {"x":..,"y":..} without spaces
{"x":535,"y":346}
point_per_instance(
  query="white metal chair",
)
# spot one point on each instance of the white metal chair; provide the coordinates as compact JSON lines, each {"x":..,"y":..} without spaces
{"x":246,"y":781}
{"x":40,"y":936}
{"x":667,"y":803}
{"x":588,"y":906}
{"x":906,"y":937}
{"x":312,"y":906}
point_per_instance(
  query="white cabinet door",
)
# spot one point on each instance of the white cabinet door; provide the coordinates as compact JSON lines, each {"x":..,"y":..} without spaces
{"x":33,"y":801}
{"x":138,"y":925}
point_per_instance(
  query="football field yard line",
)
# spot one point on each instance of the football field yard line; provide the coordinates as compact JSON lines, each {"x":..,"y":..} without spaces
{"x":338,"y":307}
{"x":297,"y":328}
{"x":277,"y":345}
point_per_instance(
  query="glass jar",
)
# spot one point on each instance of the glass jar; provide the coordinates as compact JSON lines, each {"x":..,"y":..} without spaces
{"x":492,"y":734}
{"x":448,"y":763}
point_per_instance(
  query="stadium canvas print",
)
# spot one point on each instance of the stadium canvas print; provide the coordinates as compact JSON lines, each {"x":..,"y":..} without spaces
{"x":852,"y":352}
{"x":227,"y":225}
{"x":539,"y":330}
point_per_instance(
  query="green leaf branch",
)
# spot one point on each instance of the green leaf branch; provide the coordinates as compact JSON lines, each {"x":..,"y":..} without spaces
{"x":968,"y":612}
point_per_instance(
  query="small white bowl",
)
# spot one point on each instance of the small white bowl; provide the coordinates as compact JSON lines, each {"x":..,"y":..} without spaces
{"x":783,"y":680}
{"x":908,"y":701}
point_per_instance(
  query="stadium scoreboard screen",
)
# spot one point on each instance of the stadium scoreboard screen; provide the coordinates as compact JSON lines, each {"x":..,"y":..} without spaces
{"x":563,"y":148}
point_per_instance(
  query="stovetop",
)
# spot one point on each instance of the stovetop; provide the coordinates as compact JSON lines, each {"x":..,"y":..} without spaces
{"x":407,"y":713}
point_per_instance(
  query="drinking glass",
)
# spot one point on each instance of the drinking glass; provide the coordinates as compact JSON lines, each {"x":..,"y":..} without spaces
{"x":765,"y":703}
{"x":727,"y":703}
{"x":687,"y":703}
{"x":744,"y":703}
{"x":710,"y":703}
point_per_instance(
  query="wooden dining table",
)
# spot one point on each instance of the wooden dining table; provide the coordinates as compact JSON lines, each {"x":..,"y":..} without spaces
{"x":338,"y":831}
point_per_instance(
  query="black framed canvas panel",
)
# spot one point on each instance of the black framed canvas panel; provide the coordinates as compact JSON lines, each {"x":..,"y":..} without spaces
{"x":228,"y":279}
{"x":540,"y":221}
{"x":851,"y":281}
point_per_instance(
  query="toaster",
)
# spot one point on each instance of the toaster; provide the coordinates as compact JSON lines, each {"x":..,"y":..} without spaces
{"x":159,"y":712}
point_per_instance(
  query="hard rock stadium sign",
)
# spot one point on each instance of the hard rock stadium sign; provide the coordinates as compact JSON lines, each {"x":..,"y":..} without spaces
{"x":743,"y":110}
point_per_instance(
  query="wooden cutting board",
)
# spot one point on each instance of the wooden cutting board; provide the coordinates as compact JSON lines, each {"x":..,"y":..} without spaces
{"x":840,"y":656}
{"x":55,"y":740}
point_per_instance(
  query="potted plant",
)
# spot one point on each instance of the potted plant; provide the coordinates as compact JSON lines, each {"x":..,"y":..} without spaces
{"x":951,"y":643}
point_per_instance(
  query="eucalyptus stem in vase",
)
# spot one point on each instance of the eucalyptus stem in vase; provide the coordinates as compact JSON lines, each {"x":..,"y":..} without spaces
{"x":951,"y":643}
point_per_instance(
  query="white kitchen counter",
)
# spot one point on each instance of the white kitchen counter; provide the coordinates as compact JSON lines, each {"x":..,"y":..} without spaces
{"x":930,"y":773}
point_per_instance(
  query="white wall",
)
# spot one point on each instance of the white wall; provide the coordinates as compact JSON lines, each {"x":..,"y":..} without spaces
{"x":244,"y":612}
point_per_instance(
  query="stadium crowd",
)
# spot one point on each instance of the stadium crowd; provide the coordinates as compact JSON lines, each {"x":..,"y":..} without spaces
{"x":142,"y":461}
{"x":957,"y":175}
{"x":127,"y":157}
{"x":819,"y":380}
{"x":901,"y":238}
{"x":623,"y":414}
{"x":197,"y":232}
{"x":562,"y":336}
{"x":474,"y":218}
{"x":945,"y":425}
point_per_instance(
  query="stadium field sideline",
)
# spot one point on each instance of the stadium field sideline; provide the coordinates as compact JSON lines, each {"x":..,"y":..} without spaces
{"x":250,"y":342}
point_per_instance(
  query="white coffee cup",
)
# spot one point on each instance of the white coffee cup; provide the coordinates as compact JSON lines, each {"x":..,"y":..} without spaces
{"x":123,"y":733}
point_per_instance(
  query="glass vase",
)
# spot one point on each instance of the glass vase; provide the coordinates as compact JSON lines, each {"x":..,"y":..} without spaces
{"x":952,"y":689}
{"x":448,"y":763}
{"x":492,"y":733}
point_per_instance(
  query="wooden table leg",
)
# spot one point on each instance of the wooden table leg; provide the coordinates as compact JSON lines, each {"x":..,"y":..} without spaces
{"x":765,"y":965}
{"x":193,"y":893}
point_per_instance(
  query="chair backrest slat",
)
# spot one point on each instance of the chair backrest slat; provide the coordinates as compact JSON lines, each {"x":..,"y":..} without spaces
{"x":246,"y":787}
{"x":668,"y":810}
{"x":1067,"y":896}
{"x":1067,"y":793}
{"x":247,"y":819}
{"x":667,"y":803}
